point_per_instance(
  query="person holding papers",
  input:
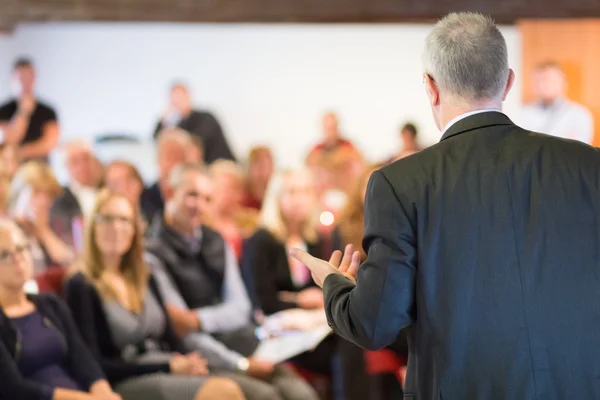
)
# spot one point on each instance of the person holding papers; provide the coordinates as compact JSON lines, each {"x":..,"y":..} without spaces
{"x":277,"y":282}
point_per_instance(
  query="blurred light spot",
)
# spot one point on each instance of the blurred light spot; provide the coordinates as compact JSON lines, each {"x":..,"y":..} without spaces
{"x":327,"y":218}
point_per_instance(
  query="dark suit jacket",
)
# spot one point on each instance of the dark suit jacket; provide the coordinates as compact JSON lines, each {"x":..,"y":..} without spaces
{"x":64,"y":210}
{"x":266,"y":271}
{"x":487,"y":246}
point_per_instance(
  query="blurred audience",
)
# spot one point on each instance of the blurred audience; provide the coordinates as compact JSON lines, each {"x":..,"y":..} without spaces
{"x":32,"y":193}
{"x":172,"y":148}
{"x":180,"y":112}
{"x":25,"y":121}
{"x":408,"y":138}
{"x":9,"y":157}
{"x":289,"y":219}
{"x":196,"y":154}
{"x":5,"y":181}
{"x":552,"y":112}
{"x":332,"y":138}
{"x":259,"y":171}
{"x":198,"y":275}
{"x":278,"y":282}
{"x":123,"y":177}
{"x":42,"y":356}
{"x":122,"y":317}
{"x":227,"y":215}
{"x":78,"y":197}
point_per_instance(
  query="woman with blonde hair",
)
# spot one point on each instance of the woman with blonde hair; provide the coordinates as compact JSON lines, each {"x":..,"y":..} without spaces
{"x":121,"y":315}
{"x":30,"y":197}
{"x":228,"y":217}
{"x":289,"y":219}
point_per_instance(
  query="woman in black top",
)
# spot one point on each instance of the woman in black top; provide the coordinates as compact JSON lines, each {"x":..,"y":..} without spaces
{"x":276,"y":282}
{"x":122,"y":317}
{"x":42,"y":356}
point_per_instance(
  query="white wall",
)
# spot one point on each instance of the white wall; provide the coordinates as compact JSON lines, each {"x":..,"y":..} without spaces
{"x":266,"y":83}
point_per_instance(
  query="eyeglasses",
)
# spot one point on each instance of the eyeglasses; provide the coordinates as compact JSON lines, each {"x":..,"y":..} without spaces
{"x":112,"y":219}
{"x":8,"y":256}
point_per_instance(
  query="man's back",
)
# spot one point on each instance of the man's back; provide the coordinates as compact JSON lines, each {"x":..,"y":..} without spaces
{"x":507,"y":273}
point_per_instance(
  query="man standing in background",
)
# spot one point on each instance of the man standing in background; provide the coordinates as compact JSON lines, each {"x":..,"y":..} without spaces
{"x":552,"y":112}
{"x":26,"y":122}
{"x":198,"y":123}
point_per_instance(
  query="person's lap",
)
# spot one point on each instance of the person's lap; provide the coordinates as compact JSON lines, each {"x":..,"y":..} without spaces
{"x":160,"y":386}
{"x":285,"y":384}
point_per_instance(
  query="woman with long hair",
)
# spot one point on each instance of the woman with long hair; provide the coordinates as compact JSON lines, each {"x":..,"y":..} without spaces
{"x":288,"y":220}
{"x":258,"y":174}
{"x":228,"y":217}
{"x":120,"y":313}
{"x":42,"y":355}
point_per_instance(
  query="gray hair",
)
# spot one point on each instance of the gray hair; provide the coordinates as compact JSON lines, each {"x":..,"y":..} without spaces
{"x":177,"y":173}
{"x":174,"y":134}
{"x":466,"y":56}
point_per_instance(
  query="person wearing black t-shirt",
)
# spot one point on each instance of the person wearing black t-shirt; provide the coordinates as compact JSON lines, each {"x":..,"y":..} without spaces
{"x":198,"y":123}
{"x":25,"y":121}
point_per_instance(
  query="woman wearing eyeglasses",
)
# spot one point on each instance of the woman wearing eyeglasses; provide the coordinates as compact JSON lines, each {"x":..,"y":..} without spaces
{"x":119,"y":311}
{"x":42,"y":356}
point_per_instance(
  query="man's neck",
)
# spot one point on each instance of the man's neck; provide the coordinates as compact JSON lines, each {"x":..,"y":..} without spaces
{"x":449,"y":112}
{"x":549,"y":102}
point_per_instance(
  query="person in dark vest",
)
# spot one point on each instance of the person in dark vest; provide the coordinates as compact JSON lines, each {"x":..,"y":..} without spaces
{"x":198,"y":276}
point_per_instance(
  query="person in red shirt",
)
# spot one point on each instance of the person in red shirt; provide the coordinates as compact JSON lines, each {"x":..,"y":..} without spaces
{"x":332,"y":138}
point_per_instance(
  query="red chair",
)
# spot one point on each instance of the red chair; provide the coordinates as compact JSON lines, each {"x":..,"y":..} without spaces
{"x":385,"y":362}
{"x":51,"y":280}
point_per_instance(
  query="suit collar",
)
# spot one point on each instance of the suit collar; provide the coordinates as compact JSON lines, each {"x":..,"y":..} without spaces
{"x":476,"y":121}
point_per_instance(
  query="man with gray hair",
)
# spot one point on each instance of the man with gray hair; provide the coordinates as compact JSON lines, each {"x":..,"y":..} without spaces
{"x":484,"y":248}
{"x":199,"y":278}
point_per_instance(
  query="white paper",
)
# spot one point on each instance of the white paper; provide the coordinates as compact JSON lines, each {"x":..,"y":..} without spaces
{"x":288,"y":345}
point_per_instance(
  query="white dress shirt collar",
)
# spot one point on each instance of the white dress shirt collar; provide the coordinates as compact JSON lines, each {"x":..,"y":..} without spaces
{"x":85,"y":195}
{"x":465,"y":115}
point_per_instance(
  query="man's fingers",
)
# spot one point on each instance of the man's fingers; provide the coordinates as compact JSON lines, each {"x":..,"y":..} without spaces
{"x":336,"y":258}
{"x":347,"y":259}
{"x":303,"y":257}
{"x":353,"y":268}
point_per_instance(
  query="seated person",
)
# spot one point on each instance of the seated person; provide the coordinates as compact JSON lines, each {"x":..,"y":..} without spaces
{"x":278,"y":282}
{"x":173,"y":147}
{"x":227,"y":216}
{"x":121,"y":316}
{"x":259,"y":171}
{"x":289,"y":219}
{"x":42,"y":356}
{"x":32,"y":193}
{"x":124,"y":178}
{"x":78,"y":197}
{"x":199,"y":278}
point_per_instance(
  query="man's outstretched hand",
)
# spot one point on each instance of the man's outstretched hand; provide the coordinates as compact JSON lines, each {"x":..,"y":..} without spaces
{"x":346,"y":265}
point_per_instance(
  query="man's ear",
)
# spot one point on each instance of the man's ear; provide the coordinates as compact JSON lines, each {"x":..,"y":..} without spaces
{"x":433,"y":92}
{"x":509,"y":83}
